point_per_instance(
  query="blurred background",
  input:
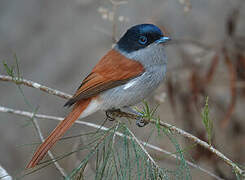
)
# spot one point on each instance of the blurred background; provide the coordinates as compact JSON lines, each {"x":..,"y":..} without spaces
{"x":58,"y":42}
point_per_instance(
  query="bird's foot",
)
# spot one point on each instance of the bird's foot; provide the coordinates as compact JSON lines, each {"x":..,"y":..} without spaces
{"x":109,"y":114}
{"x":141,"y":121}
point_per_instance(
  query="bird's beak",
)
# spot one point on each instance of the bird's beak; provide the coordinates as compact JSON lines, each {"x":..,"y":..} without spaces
{"x":163,"y":39}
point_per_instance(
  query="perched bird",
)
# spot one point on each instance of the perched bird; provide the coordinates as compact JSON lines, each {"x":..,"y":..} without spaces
{"x":126,"y":75}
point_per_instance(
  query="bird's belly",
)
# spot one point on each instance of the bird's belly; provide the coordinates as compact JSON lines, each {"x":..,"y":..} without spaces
{"x":135,"y":90}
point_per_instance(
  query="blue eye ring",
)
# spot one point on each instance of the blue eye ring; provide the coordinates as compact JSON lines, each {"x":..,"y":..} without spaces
{"x":143,"y":40}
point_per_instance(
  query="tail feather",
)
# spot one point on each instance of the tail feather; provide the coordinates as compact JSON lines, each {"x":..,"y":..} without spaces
{"x":59,"y":131}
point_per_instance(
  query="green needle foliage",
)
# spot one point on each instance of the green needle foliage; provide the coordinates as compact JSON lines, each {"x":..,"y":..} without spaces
{"x":123,"y":159}
{"x":9,"y":70}
{"x":13,"y":70}
{"x":147,"y":112}
{"x":208,"y":123}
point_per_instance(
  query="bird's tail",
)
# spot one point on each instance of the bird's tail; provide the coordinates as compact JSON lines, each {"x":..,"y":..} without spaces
{"x":59,"y":131}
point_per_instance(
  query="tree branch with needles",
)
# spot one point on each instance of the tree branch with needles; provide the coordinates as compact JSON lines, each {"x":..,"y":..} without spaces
{"x":118,"y":113}
{"x":145,"y":144}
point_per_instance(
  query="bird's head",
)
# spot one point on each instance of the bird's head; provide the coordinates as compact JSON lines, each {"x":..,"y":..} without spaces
{"x":141,"y":36}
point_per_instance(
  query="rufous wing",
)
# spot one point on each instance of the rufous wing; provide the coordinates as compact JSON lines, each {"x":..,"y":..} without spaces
{"x":112,"y":70}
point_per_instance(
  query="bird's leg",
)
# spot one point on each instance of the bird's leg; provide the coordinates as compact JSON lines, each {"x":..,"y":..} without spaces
{"x":140,"y":122}
{"x":109,"y":115}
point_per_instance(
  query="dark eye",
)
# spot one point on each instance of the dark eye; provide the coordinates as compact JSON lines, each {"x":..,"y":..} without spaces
{"x":143,"y":40}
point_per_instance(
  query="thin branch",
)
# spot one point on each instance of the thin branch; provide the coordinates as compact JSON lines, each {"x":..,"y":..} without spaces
{"x":176,"y":157}
{"x":115,"y":5}
{"x":114,"y":136}
{"x":235,"y":167}
{"x":41,"y":116}
{"x":57,"y":165}
{"x":20,"y":81}
{"x":35,"y":85}
{"x":142,"y":147}
{"x":4,"y":174}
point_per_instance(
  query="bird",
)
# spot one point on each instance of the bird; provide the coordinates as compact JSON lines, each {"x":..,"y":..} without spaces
{"x":124,"y":76}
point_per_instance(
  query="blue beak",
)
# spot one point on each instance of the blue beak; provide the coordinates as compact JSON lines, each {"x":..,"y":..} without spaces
{"x":163,"y":39}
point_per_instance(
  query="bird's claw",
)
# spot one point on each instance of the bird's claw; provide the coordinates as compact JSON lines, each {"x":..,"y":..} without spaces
{"x":109,"y":115}
{"x":141,"y":122}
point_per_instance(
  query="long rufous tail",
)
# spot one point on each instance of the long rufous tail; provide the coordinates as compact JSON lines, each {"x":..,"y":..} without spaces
{"x":59,"y":131}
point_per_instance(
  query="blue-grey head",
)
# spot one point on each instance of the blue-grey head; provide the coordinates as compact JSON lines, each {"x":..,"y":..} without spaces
{"x":141,"y":36}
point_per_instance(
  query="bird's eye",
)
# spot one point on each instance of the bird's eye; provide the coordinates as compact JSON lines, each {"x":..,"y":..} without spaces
{"x":143,"y":40}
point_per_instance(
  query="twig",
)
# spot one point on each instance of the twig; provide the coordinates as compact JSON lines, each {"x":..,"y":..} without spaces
{"x":176,"y":157}
{"x":114,"y":136}
{"x":20,"y":81}
{"x":115,"y":5}
{"x":142,"y":147}
{"x":36,"y":86}
{"x":41,"y":116}
{"x":57,"y":165}
{"x":233,"y":90}
{"x":4,"y":174}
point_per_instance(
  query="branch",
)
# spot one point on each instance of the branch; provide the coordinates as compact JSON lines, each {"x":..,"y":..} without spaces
{"x":41,"y":116}
{"x":57,"y":165}
{"x":236,"y":168}
{"x":35,"y":85}
{"x":20,"y":81}
{"x":142,"y":147}
{"x":116,"y":113}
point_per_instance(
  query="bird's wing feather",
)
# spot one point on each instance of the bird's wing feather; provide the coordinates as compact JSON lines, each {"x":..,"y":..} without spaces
{"x":113,"y":70}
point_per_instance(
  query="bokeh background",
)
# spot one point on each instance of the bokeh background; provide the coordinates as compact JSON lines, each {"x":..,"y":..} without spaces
{"x":58,"y":42}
